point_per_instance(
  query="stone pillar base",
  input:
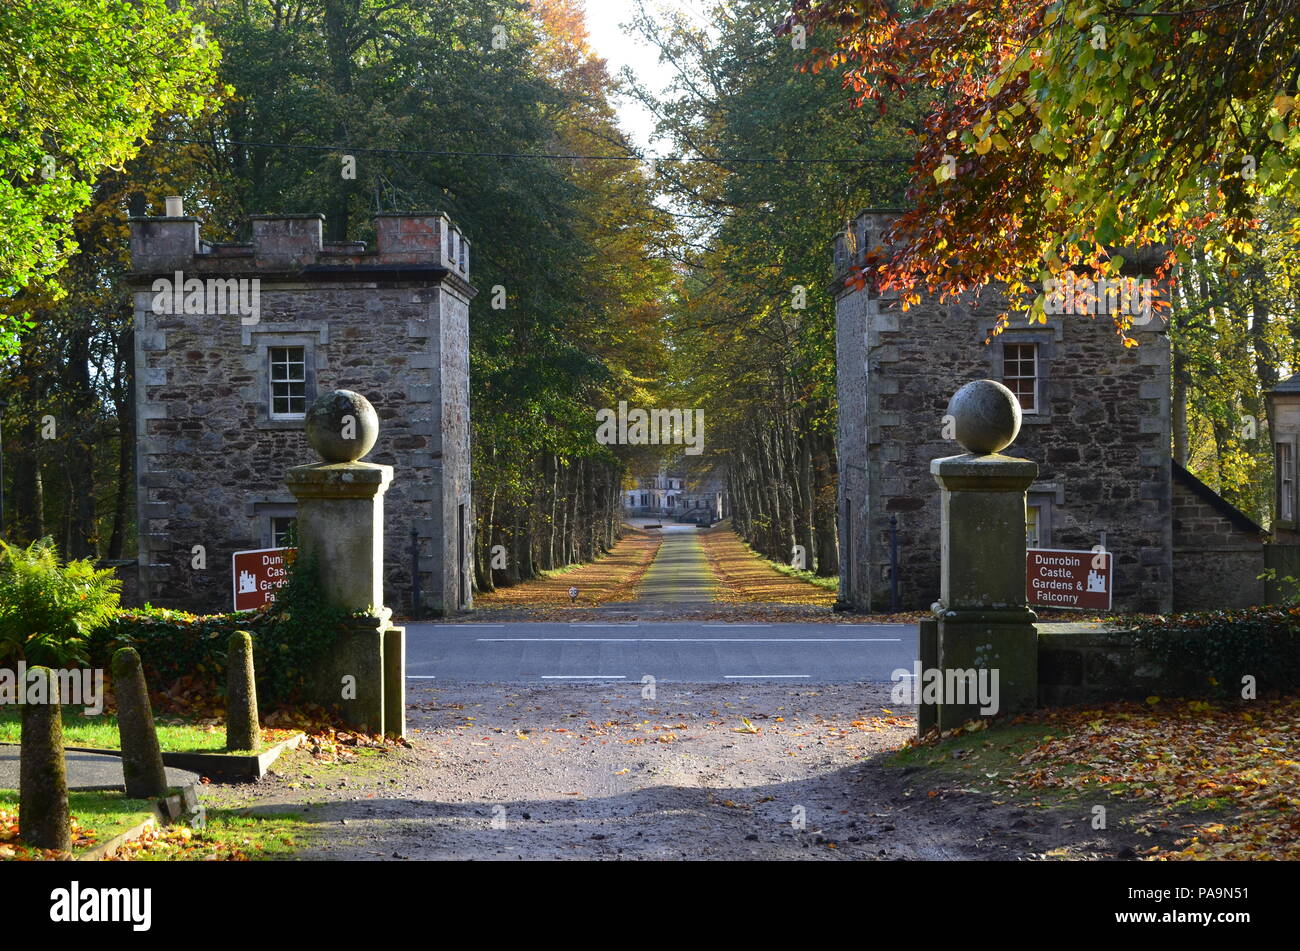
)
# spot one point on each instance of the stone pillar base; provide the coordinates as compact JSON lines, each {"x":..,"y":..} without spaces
{"x":364,"y":676}
{"x":1004,"y":654}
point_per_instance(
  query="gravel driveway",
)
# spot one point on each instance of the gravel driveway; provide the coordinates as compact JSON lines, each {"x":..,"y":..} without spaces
{"x":597,"y":772}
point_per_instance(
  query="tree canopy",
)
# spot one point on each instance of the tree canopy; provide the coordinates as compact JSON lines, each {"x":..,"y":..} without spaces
{"x":82,"y":82}
{"x":1064,"y":130}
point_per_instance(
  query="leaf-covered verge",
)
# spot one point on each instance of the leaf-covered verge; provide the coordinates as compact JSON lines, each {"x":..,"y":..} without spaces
{"x":230,"y":835}
{"x":743,"y":575}
{"x":611,"y":577}
{"x":97,"y":816}
{"x":1199,"y":780}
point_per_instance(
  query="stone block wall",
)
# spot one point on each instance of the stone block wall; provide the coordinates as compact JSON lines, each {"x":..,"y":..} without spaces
{"x":1101,"y":438}
{"x":390,"y":323}
{"x":1219,"y":553}
{"x":1091,"y":663}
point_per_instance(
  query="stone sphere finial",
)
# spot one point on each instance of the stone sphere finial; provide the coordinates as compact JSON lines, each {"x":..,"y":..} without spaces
{"x":342,"y":426}
{"x":986,"y":416}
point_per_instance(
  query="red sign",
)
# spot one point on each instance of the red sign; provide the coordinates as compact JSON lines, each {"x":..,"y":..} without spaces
{"x":259,"y":574}
{"x":1081,"y":580}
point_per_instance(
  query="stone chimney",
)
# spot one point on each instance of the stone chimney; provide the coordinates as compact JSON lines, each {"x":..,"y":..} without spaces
{"x":166,"y":243}
{"x":422,"y":238}
{"x":281,"y":241}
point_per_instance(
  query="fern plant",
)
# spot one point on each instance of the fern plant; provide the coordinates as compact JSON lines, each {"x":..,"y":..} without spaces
{"x":49,"y":608}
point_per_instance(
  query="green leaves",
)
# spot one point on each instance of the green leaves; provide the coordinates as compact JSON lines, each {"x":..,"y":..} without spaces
{"x":48,"y":609}
{"x":81,"y":83}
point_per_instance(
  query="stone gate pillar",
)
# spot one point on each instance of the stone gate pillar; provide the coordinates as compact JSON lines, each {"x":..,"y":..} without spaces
{"x":987,"y":642}
{"x":340,"y":529}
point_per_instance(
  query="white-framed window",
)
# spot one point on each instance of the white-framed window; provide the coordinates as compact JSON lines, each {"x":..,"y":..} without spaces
{"x":288,"y":382}
{"x":1285,"y":482}
{"x":1020,"y":373}
{"x":284,"y":531}
{"x":1033,"y":526}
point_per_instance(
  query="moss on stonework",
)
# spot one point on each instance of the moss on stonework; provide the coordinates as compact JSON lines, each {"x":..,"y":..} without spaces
{"x":43,"y":820}
{"x":242,"y":731}
{"x":142,"y":764}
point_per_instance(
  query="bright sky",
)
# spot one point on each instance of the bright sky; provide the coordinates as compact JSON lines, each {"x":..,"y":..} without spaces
{"x":619,"y":49}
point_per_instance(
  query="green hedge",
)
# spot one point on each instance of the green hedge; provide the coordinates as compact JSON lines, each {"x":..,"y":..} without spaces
{"x":175,"y":644}
{"x":1217,"y":648}
{"x":288,"y":636}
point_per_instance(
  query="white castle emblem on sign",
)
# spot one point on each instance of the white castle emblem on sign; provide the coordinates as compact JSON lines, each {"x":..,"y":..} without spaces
{"x":1096,"y":582}
{"x":248,"y":584}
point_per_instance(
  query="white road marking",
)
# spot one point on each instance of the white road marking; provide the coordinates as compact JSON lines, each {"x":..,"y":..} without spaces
{"x":419,"y":677}
{"x":689,"y":640}
{"x":604,"y":624}
{"x":735,"y":625}
{"x":765,"y":676}
{"x":876,"y":624}
{"x":583,"y":677}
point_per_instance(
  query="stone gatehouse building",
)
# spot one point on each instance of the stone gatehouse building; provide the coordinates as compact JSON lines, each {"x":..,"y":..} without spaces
{"x":221,"y":393}
{"x":1096,"y":420}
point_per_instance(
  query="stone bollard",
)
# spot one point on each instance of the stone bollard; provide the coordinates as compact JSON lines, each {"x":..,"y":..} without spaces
{"x":43,"y":820}
{"x":243,"y":731}
{"x":987,"y":645}
{"x":341,"y":528}
{"x":142,"y":764}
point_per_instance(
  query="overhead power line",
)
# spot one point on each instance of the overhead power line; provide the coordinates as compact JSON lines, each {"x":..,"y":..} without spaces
{"x":628,"y":157}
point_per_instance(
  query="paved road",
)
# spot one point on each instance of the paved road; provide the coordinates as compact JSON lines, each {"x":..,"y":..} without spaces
{"x":84,"y":770}
{"x":682,"y":651}
{"x":680,"y":572}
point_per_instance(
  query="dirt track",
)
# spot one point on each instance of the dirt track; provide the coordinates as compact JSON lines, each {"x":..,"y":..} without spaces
{"x":597,"y":772}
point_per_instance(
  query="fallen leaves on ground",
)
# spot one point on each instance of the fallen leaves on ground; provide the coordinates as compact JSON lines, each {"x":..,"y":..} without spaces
{"x":340,"y":746}
{"x":1237,"y":761}
{"x":11,"y":849}
{"x":611,"y":578}
{"x":183,"y":843}
{"x":744,"y":576}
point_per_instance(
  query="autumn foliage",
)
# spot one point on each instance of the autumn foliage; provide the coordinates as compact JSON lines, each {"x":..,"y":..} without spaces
{"x":1063,"y":131}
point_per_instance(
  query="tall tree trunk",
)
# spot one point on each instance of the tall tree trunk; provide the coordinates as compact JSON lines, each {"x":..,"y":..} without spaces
{"x":825,"y":504}
{"x":28,"y":518}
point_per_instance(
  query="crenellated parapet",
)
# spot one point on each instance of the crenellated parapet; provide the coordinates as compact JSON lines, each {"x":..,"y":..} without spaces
{"x":288,"y":244}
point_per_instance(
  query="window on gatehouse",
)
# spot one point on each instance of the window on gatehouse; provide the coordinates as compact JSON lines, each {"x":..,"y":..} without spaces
{"x":288,"y":382}
{"x":1285,"y":482}
{"x":1020,"y":373}
{"x":284,"y":531}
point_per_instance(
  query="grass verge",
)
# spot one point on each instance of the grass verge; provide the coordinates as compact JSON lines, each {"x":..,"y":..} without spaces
{"x":226,"y":835}
{"x":101,"y":733}
{"x":96,"y":818}
{"x":612,"y":577}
